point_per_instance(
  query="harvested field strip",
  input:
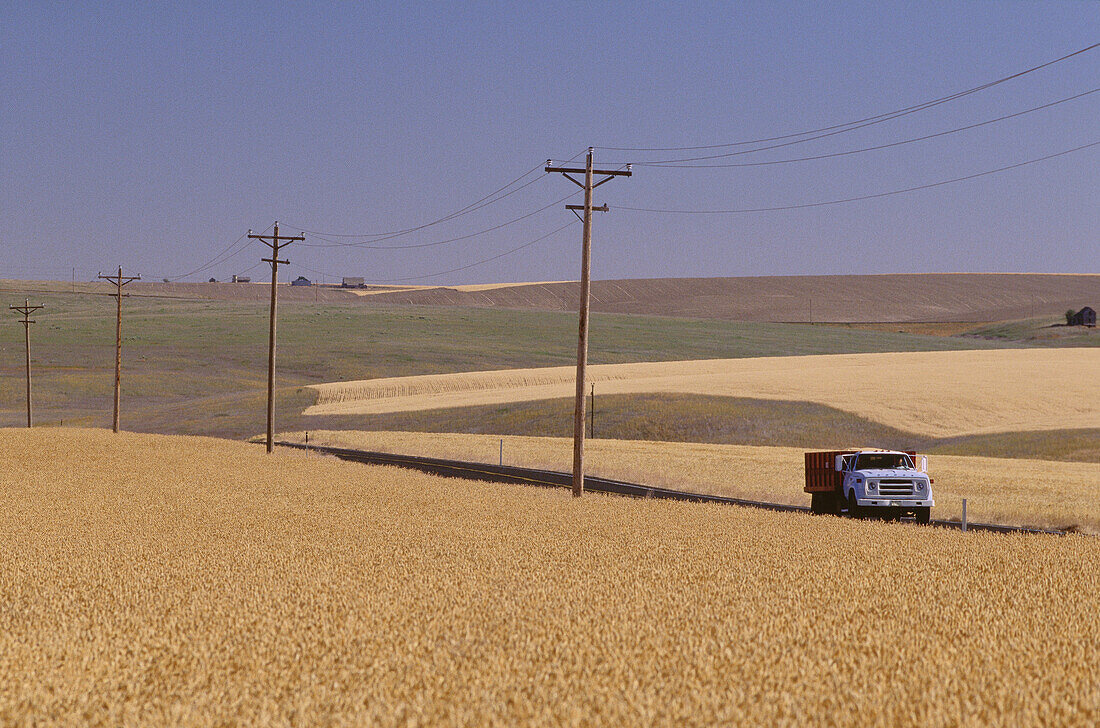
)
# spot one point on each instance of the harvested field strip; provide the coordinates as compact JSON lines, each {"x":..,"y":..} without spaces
{"x":163,"y":580}
{"x":719,"y":420}
{"x":1018,"y":492}
{"x":937,"y":394}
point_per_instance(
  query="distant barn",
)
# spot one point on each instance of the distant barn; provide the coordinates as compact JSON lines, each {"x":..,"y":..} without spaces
{"x":301,"y":281}
{"x":352,"y":282}
{"x":1084,"y":317}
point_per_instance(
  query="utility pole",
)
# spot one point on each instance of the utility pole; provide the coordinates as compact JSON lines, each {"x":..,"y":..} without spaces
{"x":119,"y":280}
{"x":592,"y":414}
{"x":275,"y":242}
{"x":27,"y":309}
{"x":586,"y":286}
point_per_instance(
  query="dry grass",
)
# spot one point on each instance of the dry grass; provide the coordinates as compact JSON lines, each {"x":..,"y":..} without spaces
{"x":938,"y":394}
{"x":153,"y":580}
{"x":1013,"y":492}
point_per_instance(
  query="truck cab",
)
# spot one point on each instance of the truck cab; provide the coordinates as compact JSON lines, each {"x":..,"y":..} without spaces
{"x":885,"y":481}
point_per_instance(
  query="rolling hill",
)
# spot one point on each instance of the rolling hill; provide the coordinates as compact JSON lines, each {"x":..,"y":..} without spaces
{"x":977,"y":297}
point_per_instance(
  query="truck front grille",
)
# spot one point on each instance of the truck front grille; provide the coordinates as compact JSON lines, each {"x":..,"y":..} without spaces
{"x":893,"y":487}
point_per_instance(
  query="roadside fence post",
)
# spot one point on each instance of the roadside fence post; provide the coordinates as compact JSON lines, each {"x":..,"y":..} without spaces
{"x":964,"y":515}
{"x":502,"y":451}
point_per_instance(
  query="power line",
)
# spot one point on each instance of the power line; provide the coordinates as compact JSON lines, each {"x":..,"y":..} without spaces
{"x":472,"y":207}
{"x":863,"y":197}
{"x":221,"y":257}
{"x":872,"y":148}
{"x":483,"y":261}
{"x":372,"y":241}
{"x":369,"y":245}
{"x":887,"y":116}
{"x":476,"y":205}
{"x":477,"y":263}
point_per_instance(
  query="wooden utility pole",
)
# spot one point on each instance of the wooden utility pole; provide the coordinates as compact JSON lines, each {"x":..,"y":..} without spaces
{"x":27,"y":309}
{"x":586,"y":286}
{"x":592,"y":414}
{"x":275,"y":242}
{"x":119,"y":280}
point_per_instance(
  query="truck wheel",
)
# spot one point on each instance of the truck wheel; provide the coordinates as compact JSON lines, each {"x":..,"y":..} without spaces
{"x":924,"y":515}
{"x":853,"y":508}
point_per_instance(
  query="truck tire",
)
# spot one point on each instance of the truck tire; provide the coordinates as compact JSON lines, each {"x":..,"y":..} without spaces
{"x":853,"y":508}
{"x":923,"y":515}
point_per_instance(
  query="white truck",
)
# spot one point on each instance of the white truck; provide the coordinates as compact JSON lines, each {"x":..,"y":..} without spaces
{"x":889,"y":483}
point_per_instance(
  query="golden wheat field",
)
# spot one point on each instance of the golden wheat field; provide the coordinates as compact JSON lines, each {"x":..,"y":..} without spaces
{"x":1039,"y":493}
{"x":152,"y":580}
{"x":939,"y":394}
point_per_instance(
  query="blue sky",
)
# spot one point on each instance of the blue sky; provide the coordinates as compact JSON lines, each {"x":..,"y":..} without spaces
{"x":154,"y":135}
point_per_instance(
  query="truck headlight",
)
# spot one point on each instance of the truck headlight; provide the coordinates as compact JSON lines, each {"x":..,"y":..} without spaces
{"x":871,"y":485}
{"x":920,"y":486}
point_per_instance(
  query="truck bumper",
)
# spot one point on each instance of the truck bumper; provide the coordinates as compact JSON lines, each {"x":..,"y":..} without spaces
{"x":894,"y":503}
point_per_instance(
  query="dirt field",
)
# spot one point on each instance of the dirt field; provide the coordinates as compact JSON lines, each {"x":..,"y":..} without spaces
{"x":929,"y":297}
{"x":938,"y":394}
{"x":937,"y":297}
{"x":184,"y":581}
{"x":1015,"y":492}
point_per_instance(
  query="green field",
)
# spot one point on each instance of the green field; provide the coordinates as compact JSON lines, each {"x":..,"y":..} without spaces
{"x":199,"y":367}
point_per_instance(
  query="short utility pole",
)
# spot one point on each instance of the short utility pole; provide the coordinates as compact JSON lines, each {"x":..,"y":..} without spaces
{"x":592,"y":414}
{"x":586,"y":286}
{"x":27,"y":309}
{"x":119,"y":280}
{"x":275,"y":242}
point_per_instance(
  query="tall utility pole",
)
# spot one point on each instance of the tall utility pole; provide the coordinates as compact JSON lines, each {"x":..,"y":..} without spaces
{"x":119,"y":280}
{"x":586,"y":286}
{"x":27,"y":309}
{"x":275,"y":242}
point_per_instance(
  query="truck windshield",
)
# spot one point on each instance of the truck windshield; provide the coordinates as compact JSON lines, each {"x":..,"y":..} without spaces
{"x":883,"y":461}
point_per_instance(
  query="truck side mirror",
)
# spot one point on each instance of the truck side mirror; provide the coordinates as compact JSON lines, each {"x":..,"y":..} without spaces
{"x":839,"y":463}
{"x":924,"y":464}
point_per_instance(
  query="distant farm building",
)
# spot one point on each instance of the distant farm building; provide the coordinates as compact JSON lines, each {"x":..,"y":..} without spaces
{"x":352,"y":282}
{"x":212,"y":280}
{"x":301,"y":281}
{"x":1084,"y":317}
{"x":241,"y":279}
